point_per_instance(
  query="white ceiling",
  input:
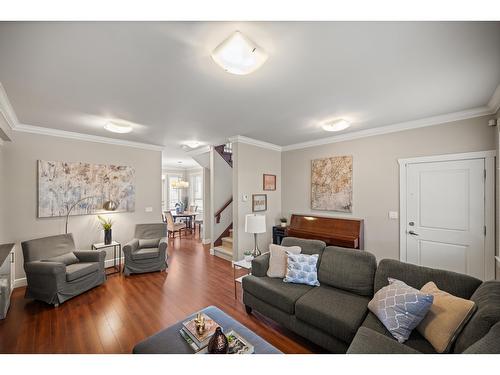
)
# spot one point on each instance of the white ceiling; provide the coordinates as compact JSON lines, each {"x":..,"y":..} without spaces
{"x":159,"y":75}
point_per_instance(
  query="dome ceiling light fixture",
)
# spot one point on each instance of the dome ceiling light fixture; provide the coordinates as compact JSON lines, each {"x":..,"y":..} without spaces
{"x":193,"y":144}
{"x":117,"y":128}
{"x":239,"y":55}
{"x":336,"y":125}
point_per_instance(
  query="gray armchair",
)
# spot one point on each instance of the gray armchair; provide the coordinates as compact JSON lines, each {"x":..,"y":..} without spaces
{"x":147,"y":252}
{"x":56,"y":271}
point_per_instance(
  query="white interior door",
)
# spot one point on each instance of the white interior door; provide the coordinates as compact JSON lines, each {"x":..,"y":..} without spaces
{"x":445,"y":223}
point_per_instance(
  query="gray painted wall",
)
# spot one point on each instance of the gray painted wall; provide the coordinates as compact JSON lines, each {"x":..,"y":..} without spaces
{"x":20,"y":163}
{"x":3,"y":213}
{"x":376,"y":173}
{"x":250,"y":163}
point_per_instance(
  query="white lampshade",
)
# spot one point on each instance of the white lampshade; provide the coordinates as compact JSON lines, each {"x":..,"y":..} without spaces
{"x":239,"y":55}
{"x":255,"y":223}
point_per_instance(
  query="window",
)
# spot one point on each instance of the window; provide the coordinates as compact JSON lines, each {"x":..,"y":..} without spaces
{"x":173,"y":195}
{"x":196,"y":191}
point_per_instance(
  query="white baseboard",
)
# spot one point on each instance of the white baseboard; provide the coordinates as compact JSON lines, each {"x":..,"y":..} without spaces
{"x":206,"y":241}
{"x":212,"y":252}
{"x":109,"y":262}
{"x":22,"y":281}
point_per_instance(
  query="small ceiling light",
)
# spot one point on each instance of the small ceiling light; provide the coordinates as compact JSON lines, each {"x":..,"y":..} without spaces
{"x":239,"y":55}
{"x":336,"y":125}
{"x":193,"y":144}
{"x":117,"y":128}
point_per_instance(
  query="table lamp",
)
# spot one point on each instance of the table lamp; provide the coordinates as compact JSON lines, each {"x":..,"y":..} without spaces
{"x":255,"y":224}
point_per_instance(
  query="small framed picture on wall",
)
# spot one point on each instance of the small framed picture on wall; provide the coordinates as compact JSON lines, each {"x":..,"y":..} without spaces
{"x":269,"y":182}
{"x":259,"y":202}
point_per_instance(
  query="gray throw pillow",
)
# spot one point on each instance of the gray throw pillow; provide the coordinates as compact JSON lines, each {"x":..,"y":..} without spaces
{"x":149,"y":243}
{"x":400,"y":308}
{"x":301,"y":269}
{"x":67,"y":259}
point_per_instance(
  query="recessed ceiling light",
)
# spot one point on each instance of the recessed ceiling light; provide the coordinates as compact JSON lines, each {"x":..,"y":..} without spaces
{"x":193,"y":144}
{"x":179,"y":162}
{"x":336,"y":125}
{"x":117,"y":128}
{"x":239,"y":55}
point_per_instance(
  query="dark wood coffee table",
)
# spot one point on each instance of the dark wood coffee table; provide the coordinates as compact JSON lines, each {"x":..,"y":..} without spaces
{"x":169,"y":340}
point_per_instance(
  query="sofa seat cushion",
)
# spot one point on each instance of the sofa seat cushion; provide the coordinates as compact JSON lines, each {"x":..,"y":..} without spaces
{"x":368,"y":341}
{"x":275,"y":292}
{"x":333,"y":310}
{"x":415,"y":341}
{"x":77,"y":270}
{"x":147,"y":253}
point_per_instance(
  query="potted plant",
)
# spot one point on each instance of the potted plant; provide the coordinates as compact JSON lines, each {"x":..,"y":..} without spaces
{"x":248,"y":255}
{"x":283,"y":221}
{"x":106,"y":225}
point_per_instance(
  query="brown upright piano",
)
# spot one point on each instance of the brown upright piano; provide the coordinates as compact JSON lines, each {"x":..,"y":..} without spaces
{"x":334,"y":231}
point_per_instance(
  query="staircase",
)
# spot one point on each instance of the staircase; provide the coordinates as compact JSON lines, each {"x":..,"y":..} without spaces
{"x":226,"y":249}
{"x":221,"y":175}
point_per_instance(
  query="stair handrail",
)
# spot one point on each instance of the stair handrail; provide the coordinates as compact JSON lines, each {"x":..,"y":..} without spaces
{"x":218,"y":213}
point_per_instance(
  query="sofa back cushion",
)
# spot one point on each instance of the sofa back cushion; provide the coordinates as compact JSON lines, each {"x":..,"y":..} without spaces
{"x":348,"y":269}
{"x":309,"y":247}
{"x":66,"y":259}
{"x":457,"y":284}
{"x":487,"y":300}
{"x":150,"y":231}
{"x":47,"y":247}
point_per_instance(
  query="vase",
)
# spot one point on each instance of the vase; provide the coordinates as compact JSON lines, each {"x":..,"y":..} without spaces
{"x":218,"y":344}
{"x":283,"y":224}
{"x":108,"y":237}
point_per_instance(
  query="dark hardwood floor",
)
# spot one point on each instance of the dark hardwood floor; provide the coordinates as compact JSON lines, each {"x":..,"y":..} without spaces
{"x":113,"y":317}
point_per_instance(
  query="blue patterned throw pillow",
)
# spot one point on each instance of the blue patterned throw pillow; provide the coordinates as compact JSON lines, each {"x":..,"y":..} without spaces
{"x":301,"y":269}
{"x":400,"y":308}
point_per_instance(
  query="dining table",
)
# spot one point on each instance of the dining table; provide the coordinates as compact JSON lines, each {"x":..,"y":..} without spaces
{"x":188,"y":215}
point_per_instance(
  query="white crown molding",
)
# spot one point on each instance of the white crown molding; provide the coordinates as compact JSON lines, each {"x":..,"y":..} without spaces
{"x":408,"y":125}
{"x":198,"y":151}
{"x":85,"y":137}
{"x":254,"y":142}
{"x":6,"y":109}
{"x":494,"y":102}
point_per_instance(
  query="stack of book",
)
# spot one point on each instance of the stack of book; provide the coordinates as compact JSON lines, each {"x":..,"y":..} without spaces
{"x":193,"y":338}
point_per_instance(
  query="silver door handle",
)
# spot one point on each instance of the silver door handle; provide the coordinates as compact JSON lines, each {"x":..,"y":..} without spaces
{"x":412,"y":233}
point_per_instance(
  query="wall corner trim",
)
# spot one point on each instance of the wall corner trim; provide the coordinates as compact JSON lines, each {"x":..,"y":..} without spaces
{"x":494,"y":103}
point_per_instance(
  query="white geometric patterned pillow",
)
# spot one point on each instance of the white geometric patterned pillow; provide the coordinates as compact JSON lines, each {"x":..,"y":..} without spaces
{"x":301,"y":269}
{"x":400,"y":308}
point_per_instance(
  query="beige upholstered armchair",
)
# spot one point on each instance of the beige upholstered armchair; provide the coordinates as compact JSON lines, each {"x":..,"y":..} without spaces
{"x":147,"y":252}
{"x":172,"y":226}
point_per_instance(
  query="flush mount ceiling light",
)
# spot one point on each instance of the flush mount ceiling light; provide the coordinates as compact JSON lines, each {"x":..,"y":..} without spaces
{"x":239,"y":55}
{"x":193,"y":144}
{"x":336,"y":125}
{"x":117,"y":128}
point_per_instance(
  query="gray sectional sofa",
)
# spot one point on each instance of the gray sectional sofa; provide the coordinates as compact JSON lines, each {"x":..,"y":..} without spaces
{"x":335,"y":315}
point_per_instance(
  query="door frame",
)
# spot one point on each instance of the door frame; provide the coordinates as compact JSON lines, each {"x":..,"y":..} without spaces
{"x":489,"y":201}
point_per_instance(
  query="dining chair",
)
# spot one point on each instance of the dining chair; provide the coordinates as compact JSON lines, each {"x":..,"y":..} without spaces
{"x":173,"y":227}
